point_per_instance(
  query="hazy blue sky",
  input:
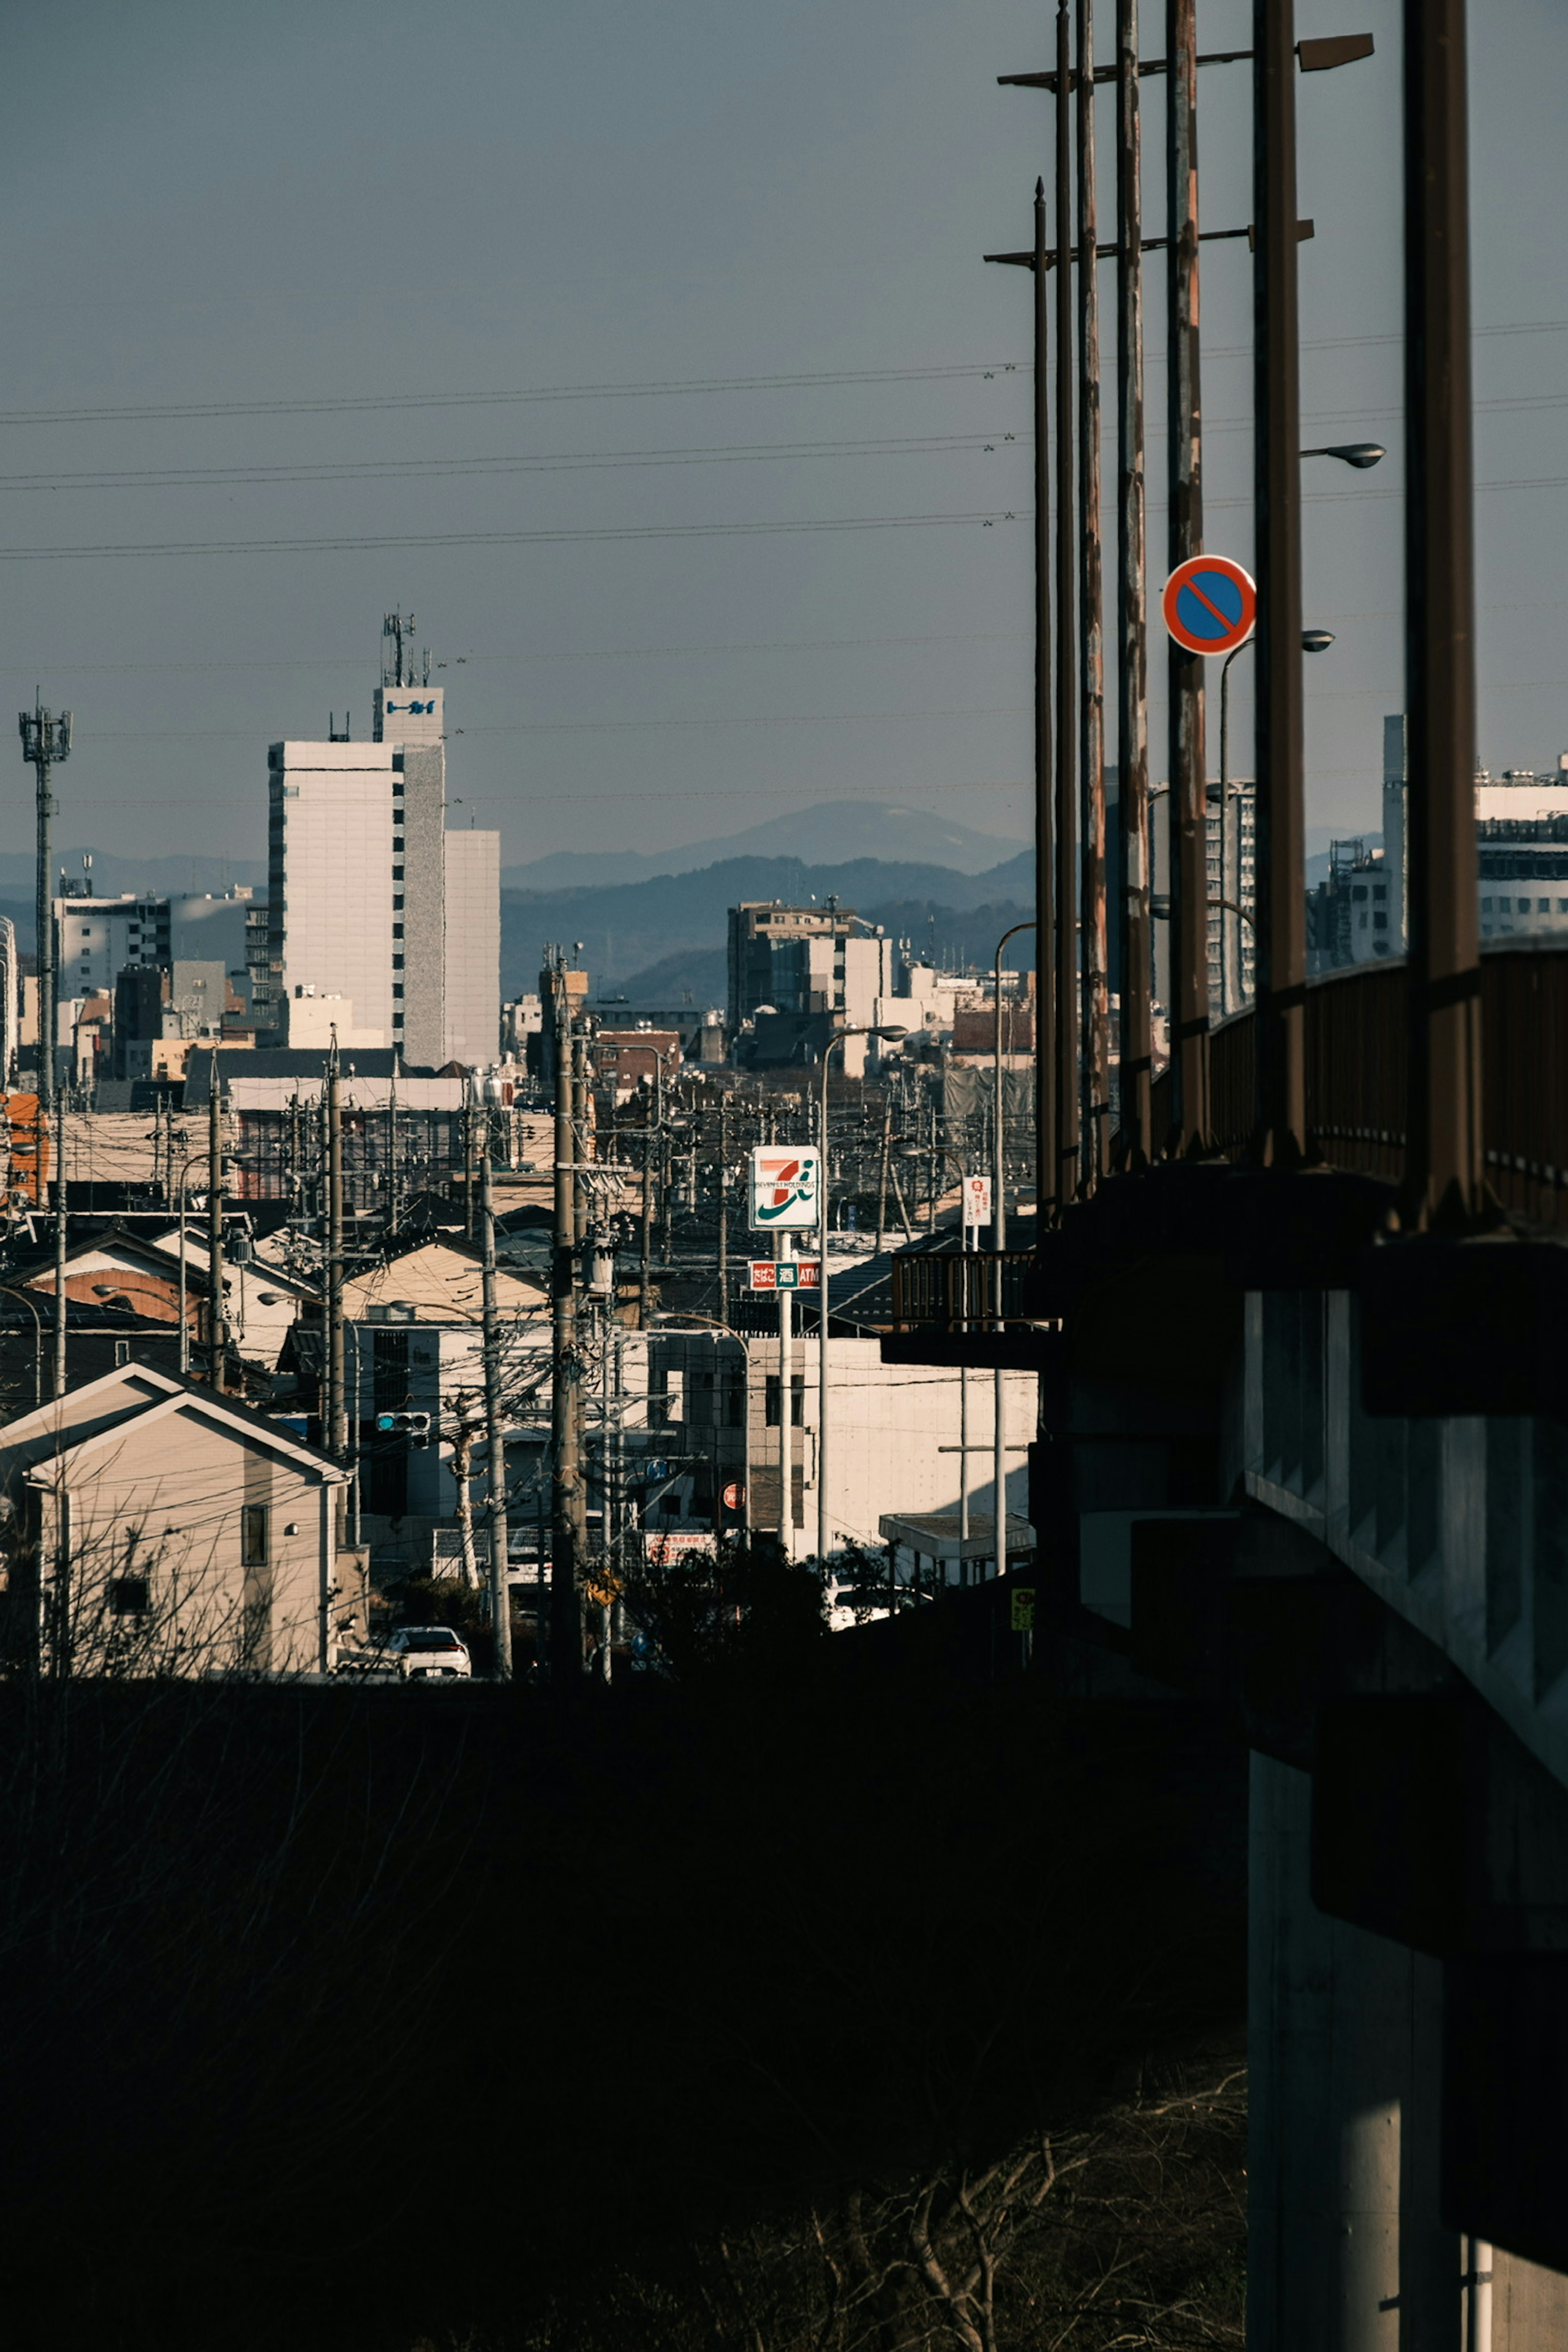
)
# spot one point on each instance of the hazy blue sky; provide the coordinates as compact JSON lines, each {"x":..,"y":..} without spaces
{"x":299,"y":200}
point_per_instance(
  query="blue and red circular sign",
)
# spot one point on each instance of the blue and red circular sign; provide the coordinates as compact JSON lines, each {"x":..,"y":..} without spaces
{"x":1210,"y":605}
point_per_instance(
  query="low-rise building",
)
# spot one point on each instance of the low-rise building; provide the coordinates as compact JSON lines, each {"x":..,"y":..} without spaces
{"x":153,"y":1528}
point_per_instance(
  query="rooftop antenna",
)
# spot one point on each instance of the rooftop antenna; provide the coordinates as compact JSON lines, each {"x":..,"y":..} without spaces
{"x":398,"y":665}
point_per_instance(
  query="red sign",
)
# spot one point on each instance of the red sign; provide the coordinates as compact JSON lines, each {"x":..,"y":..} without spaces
{"x":1210,"y":605}
{"x":785,"y":1274}
{"x":734,"y":1496}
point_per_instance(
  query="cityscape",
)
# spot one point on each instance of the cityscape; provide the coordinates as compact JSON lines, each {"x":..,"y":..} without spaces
{"x":783,"y":1492}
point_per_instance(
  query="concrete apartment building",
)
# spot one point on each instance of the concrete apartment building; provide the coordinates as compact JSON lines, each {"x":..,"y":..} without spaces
{"x":793,"y":971}
{"x":372,"y":898}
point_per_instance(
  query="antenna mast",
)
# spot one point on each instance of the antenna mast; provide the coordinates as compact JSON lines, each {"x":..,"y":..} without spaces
{"x":45,"y":740}
{"x":397,"y":650}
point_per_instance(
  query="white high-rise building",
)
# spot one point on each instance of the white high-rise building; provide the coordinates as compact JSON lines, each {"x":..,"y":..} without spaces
{"x":335,"y":917}
{"x":372,"y":897}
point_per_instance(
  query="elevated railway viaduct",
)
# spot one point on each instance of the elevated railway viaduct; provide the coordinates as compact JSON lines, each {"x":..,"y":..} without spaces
{"x":1300,"y":1332}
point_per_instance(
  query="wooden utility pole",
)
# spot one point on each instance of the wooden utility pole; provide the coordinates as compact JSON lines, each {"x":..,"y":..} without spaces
{"x":1133,"y":797}
{"x":1188,"y":795}
{"x":1065,"y":1174}
{"x":1445,"y":1166}
{"x":217,"y":1323}
{"x":1279,"y":940}
{"x":566,"y":1400}
{"x":495,"y":1433}
{"x":1095,"y":1059}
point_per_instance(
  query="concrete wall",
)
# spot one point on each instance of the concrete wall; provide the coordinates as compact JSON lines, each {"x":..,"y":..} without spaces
{"x":473,"y":948}
{"x":331,"y":913}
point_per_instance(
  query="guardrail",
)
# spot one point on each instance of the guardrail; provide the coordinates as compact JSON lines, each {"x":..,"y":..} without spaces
{"x":1355,"y":1074}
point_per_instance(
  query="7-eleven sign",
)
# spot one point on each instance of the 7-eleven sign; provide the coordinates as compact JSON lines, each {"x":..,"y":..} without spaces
{"x":786,"y":1188}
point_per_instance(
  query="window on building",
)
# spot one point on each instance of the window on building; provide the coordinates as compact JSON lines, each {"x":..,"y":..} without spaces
{"x":253,"y":1535}
{"x":397,"y":963}
{"x":397,"y":874}
{"x":1379,"y":890}
{"x":397,"y":988}
{"x":796,"y":1401}
{"x":397,"y":931}
{"x":128,"y":1596}
{"x":1543,"y":906}
{"x":1359,"y":890}
{"x":397,"y":844}
{"x":1486,"y":905}
{"x":1380,"y":922}
{"x":397,"y":906}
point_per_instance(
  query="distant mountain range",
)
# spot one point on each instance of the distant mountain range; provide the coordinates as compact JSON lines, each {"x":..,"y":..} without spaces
{"x":157,"y":876}
{"x":830,"y":834}
{"x":647,"y":939}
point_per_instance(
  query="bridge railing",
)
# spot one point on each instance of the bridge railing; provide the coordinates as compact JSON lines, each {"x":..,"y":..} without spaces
{"x":951,"y":1290}
{"x":1355,"y":1056}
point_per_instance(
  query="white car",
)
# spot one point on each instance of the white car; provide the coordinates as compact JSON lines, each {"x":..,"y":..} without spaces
{"x":428,"y":1653}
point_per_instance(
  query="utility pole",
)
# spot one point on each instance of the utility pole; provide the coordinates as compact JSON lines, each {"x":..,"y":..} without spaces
{"x":1096,"y":981}
{"x":217,"y":1329}
{"x":1279,"y":944}
{"x":468,"y":1152}
{"x":723,"y":1215}
{"x":1188,"y":796}
{"x":565,"y":1605}
{"x":60,"y":1214}
{"x":1133,"y":797}
{"x":1065,"y":1176}
{"x":46,"y":741}
{"x":335,"y":1417}
{"x":1444,"y":1164}
{"x":495,"y":1433}
{"x":882,"y":1172}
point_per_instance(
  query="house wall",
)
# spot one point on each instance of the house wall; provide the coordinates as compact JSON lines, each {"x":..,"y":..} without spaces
{"x":166,"y":1505}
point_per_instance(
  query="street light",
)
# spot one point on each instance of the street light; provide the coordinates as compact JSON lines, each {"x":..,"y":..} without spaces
{"x":892,"y":1031}
{"x":1359,"y":454}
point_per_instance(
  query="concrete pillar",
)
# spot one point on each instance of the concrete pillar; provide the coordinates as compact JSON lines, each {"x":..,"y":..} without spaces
{"x":1346,"y":2252}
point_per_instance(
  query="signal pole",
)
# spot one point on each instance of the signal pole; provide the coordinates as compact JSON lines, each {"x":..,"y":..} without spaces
{"x":46,"y":739}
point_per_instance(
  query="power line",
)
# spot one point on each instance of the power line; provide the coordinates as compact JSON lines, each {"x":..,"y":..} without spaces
{"x":384,"y":402}
{"x":388,"y":540}
{"x":571,"y":461}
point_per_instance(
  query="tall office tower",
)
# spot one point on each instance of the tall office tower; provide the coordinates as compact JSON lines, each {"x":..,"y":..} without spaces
{"x":409,"y":720}
{"x":370,"y":899}
{"x":448,"y":883}
{"x":335,"y":925}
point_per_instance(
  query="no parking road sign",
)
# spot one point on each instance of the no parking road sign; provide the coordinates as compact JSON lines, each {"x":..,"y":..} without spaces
{"x":1210,"y":605}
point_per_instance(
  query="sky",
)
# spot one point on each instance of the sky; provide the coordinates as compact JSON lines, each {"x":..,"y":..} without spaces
{"x":713,"y":274}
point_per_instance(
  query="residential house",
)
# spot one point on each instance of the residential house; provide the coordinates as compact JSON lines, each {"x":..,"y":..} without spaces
{"x":153,"y":1529}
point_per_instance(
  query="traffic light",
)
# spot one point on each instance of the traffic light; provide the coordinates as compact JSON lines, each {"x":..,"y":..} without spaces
{"x":414,"y":1426}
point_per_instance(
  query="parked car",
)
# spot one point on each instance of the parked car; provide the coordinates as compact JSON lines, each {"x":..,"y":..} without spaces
{"x":427,"y":1653}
